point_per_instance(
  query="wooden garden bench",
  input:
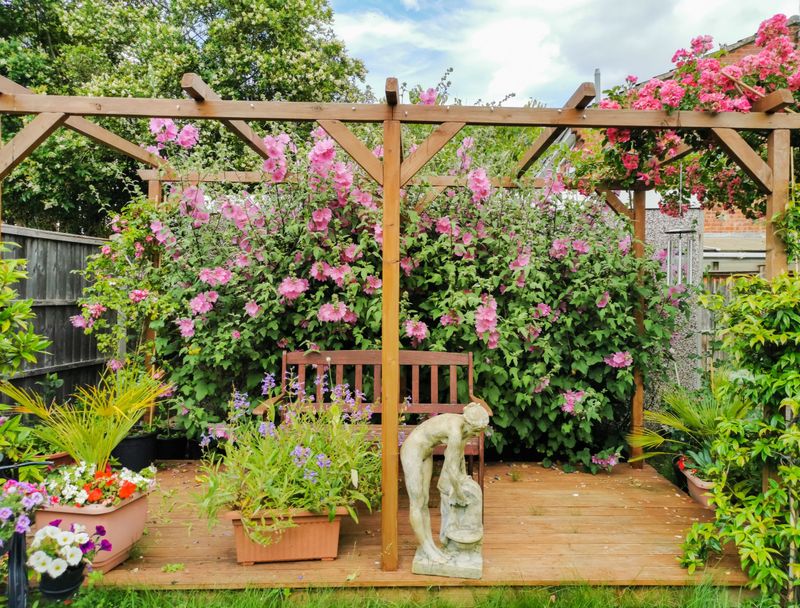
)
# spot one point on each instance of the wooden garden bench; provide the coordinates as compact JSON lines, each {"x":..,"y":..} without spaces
{"x":361,"y":370}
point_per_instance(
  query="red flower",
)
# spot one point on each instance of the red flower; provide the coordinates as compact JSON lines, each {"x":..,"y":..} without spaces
{"x":95,"y":495}
{"x":682,"y":462}
{"x":127,"y":489}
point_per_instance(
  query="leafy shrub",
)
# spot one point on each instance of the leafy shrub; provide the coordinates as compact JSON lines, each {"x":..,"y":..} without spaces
{"x":540,"y":286}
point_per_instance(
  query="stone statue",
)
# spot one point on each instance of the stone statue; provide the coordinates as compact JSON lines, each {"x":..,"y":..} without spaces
{"x":461,"y":498}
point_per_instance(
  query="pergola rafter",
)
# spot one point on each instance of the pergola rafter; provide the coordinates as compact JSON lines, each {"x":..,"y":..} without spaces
{"x":771,"y":176}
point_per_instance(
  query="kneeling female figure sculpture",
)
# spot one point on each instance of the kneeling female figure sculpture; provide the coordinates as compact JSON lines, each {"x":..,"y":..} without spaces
{"x":461,"y":499}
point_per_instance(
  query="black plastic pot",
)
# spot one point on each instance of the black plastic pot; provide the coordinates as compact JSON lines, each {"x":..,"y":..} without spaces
{"x":64,"y":586}
{"x":170,"y":448}
{"x":136,"y":452}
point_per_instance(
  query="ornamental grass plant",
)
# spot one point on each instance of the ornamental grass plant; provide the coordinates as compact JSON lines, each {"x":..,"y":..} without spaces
{"x":301,"y":456}
{"x":91,"y":424}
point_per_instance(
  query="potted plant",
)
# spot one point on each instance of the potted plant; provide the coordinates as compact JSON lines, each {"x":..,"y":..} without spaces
{"x":285,"y":486}
{"x":60,"y":556}
{"x":171,"y":441}
{"x":694,"y":466}
{"x":18,"y":502}
{"x":137,"y":450}
{"x":88,"y":428}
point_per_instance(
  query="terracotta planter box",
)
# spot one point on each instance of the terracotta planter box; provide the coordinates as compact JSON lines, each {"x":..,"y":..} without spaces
{"x":314,"y":537}
{"x":699,"y":489}
{"x":60,"y":459}
{"x":124,"y":524}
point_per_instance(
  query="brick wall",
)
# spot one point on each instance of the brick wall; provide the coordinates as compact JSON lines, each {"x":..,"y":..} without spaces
{"x":730,"y":221}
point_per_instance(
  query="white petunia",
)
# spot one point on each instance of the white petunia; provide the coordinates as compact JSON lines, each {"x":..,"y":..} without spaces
{"x":81,"y":497}
{"x":65,"y":537}
{"x":51,"y":531}
{"x":40,"y":535}
{"x":39,"y":561}
{"x":73,"y":555}
{"x":81,"y":538}
{"x":77,"y":528}
{"x":56,"y":567}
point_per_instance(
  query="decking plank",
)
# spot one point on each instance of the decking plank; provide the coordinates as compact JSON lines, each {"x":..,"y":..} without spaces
{"x":546,"y":528}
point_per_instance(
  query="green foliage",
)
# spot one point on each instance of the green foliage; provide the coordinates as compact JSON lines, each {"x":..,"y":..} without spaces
{"x":688,"y":419}
{"x":244,"y":49}
{"x":97,"y":418}
{"x":761,"y":332}
{"x":18,"y":342}
{"x":316,"y":459}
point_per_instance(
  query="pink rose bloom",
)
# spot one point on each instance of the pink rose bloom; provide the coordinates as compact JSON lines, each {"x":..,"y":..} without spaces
{"x":446,"y":319}
{"x":350,"y":317}
{"x":580,"y":246}
{"x":443,"y":225}
{"x":570,"y":399}
{"x":543,"y":384}
{"x":105,"y":250}
{"x":157,"y":124}
{"x":290,"y":288}
{"x":427,"y":97}
{"x":186,"y":327}
{"x":252,"y":309}
{"x":95,"y":310}
{"x":365,"y":199}
{"x":188,"y":136}
{"x":351,"y":253}
{"x":338,"y":273}
{"x":660,"y":255}
{"x":212,"y":296}
{"x":377,"y":151}
{"x":137,"y":295}
{"x":203,"y":302}
{"x":416,"y":330}
{"x":373,"y":284}
{"x":625,"y":244}
{"x":479,"y":185}
{"x":407,"y":265}
{"x":603,"y":301}
{"x":619,"y":359}
{"x":78,"y":321}
{"x":222,"y":275}
{"x":559,"y":249}
{"x":235,"y":334}
{"x":331,"y":313}
{"x":630,"y":161}
{"x":320,"y":218}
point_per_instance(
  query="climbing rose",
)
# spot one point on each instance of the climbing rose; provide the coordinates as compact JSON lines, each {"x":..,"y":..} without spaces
{"x":290,"y":288}
{"x":619,"y":359}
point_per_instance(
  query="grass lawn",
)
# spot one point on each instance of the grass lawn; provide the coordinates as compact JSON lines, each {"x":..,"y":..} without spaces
{"x":558,"y":597}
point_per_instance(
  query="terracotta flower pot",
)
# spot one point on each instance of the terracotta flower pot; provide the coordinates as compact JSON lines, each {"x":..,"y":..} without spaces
{"x":124,"y":524}
{"x":62,"y":587}
{"x":315,"y":536}
{"x":59,"y":459}
{"x":698,"y":488}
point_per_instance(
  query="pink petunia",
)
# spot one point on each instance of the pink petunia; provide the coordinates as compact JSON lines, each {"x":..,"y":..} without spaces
{"x":290,"y":288}
{"x":619,"y":359}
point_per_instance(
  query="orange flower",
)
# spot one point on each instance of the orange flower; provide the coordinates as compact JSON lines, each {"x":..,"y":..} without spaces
{"x":95,"y":495}
{"x":127,"y":489}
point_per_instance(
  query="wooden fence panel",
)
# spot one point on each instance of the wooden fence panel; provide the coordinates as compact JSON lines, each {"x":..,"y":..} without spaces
{"x":54,"y":286}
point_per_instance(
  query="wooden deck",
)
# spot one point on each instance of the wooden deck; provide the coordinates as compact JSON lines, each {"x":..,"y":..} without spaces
{"x":545,"y":528}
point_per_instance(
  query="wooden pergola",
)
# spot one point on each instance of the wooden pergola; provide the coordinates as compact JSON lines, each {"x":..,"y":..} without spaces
{"x":394,"y":172}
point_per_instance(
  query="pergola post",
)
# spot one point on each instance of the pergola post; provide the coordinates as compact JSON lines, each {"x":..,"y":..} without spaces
{"x":155,"y":192}
{"x":390,"y":340}
{"x":637,"y":403}
{"x":778,"y":158}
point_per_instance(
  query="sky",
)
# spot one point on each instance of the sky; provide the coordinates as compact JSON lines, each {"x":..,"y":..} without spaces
{"x":536,"y":49}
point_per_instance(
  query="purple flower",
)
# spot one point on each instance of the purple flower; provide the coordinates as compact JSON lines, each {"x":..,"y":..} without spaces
{"x":88,"y":546}
{"x":100,"y":530}
{"x":310,"y":475}
{"x":105,"y":545}
{"x":23,"y":524}
{"x":6,"y":513}
{"x":266,"y":428}
{"x":323,"y":462}
{"x":240,"y":400}
{"x":55,"y":523}
{"x":267,"y":384}
{"x":300,"y":455}
{"x":205,"y":440}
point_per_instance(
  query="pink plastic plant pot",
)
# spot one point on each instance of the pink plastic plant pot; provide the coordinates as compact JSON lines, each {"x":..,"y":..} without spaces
{"x":699,"y":489}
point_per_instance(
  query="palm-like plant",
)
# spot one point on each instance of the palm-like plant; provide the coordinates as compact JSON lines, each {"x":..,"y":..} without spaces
{"x":90,"y":425}
{"x":688,"y":420}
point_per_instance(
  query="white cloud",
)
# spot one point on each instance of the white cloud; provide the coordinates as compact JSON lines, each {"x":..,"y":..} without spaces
{"x":537,"y":48}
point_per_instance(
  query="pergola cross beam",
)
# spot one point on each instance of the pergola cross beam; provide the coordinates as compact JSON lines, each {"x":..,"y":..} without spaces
{"x":579,"y":100}
{"x":91,"y":130}
{"x":428,"y":149}
{"x":743,"y":155}
{"x":196,"y":88}
{"x":351,"y":144}
{"x":26,"y":141}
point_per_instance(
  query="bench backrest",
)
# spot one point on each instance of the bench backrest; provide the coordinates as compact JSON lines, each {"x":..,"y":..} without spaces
{"x":360,"y":368}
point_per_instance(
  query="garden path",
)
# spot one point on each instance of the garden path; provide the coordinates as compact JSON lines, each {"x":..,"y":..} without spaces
{"x":543,"y":527}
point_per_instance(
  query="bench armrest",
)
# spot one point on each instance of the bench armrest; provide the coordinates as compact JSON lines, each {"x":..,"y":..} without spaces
{"x":482,"y":402}
{"x":267,"y":404}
